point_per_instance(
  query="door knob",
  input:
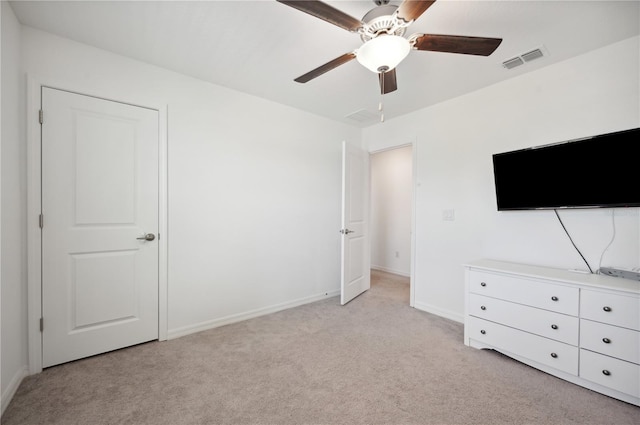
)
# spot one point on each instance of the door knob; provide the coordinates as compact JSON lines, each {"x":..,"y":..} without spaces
{"x":148,"y":237}
{"x":346,"y":231}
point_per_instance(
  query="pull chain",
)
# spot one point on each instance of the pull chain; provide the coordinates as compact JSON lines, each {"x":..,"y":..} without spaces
{"x":380,"y":106}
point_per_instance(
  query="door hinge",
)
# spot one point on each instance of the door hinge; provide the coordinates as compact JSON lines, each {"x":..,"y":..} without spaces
{"x":41,"y":324}
{"x":41,"y":116}
{"x":41,"y":221}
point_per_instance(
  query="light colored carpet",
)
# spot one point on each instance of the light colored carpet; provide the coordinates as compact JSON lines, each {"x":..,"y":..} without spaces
{"x":374,"y":361}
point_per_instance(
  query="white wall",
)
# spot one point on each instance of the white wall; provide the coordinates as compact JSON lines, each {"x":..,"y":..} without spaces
{"x":594,"y":93}
{"x":254,"y":186}
{"x":391,"y":191}
{"x":13,"y":275}
{"x":1,"y":386}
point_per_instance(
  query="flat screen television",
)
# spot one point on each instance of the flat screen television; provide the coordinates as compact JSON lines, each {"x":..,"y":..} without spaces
{"x":602,"y":171}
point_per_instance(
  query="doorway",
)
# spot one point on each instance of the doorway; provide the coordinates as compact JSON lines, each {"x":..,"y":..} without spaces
{"x":391,"y":211}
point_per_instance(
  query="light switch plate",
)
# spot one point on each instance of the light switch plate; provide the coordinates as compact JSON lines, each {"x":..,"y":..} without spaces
{"x":448,"y":215}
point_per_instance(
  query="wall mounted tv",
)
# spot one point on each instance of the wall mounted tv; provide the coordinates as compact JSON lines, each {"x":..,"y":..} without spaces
{"x":595,"y":172}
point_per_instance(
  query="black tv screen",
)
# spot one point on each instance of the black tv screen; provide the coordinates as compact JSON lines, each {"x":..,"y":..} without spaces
{"x":595,"y":172}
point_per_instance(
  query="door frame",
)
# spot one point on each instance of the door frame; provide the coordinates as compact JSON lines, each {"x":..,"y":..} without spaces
{"x":414,"y":181}
{"x":34,"y":207}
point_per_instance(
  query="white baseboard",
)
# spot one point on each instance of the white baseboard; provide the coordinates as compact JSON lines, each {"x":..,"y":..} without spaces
{"x":15,"y":382}
{"x":234,"y":318}
{"x":389,"y":270}
{"x":447,"y":314}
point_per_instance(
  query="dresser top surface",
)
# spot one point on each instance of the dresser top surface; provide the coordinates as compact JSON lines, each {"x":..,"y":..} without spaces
{"x":560,"y":275}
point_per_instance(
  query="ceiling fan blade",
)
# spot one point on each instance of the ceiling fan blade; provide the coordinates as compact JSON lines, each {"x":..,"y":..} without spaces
{"x":388,"y":81}
{"x":326,"y":67}
{"x":326,"y":13}
{"x":481,"y":46}
{"x":410,"y":10}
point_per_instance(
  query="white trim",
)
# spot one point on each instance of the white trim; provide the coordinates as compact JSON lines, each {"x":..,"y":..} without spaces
{"x":163,"y":224}
{"x":391,"y":148}
{"x":34,"y":286}
{"x":447,"y":314}
{"x":12,"y":388}
{"x":235,"y":318}
{"x":414,"y":184}
{"x":392,"y":271}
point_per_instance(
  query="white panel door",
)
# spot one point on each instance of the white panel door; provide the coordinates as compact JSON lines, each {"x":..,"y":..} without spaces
{"x":355,"y":270}
{"x":99,"y":198}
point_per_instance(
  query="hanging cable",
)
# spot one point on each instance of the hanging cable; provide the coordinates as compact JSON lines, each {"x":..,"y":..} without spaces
{"x":613,"y":236}
{"x":574,"y":245}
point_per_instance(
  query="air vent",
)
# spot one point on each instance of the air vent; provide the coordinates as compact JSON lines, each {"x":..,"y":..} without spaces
{"x":512,"y":63}
{"x":363,"y":116}
{"x":534,"y":54}
{"x":525,"y":57}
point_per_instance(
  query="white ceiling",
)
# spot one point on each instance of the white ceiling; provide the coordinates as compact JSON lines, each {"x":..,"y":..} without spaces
{"x":259,"y":47}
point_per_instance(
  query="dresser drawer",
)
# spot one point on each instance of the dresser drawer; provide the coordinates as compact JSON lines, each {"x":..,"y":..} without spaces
{"x":551,"y":353}
{"x":612,"y":373}
{"x":611,"y":340}
{"x":535,"y":293}
{"x":545,"y":323}
{"x":619,"y":310}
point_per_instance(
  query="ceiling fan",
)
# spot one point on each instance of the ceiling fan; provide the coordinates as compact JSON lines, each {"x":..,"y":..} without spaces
{"x":382,"y":29}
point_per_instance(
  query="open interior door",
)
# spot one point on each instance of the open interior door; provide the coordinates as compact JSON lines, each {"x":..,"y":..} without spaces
{"x":355,"y":267}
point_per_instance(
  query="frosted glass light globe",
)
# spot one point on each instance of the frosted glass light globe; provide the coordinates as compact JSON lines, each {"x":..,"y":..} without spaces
{"x":383,"y":53}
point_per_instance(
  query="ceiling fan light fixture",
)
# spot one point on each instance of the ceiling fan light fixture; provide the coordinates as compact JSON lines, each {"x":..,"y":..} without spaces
{"x":383,"y":53}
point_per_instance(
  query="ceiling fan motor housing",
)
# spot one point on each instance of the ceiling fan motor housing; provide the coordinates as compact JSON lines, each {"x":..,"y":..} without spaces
{"x":381,"y":20}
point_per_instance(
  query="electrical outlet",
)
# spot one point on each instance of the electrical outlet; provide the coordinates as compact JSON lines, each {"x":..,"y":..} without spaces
{"x":448,"y":215}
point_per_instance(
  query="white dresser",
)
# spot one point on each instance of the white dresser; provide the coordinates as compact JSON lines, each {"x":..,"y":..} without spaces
{"x":583,"y":328}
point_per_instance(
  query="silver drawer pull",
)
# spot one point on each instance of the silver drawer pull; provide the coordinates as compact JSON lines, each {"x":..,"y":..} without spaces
{"x":483,"y":283}
{"x":606,"y":340}
{"x":554,"y":298}
{"x":483,"y":332}
{"x":483,"y":307}
{"x":606,"y":308}
{"x":554,"y":326}
{"x":606,"y":372}
{"x":554,"y":355}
